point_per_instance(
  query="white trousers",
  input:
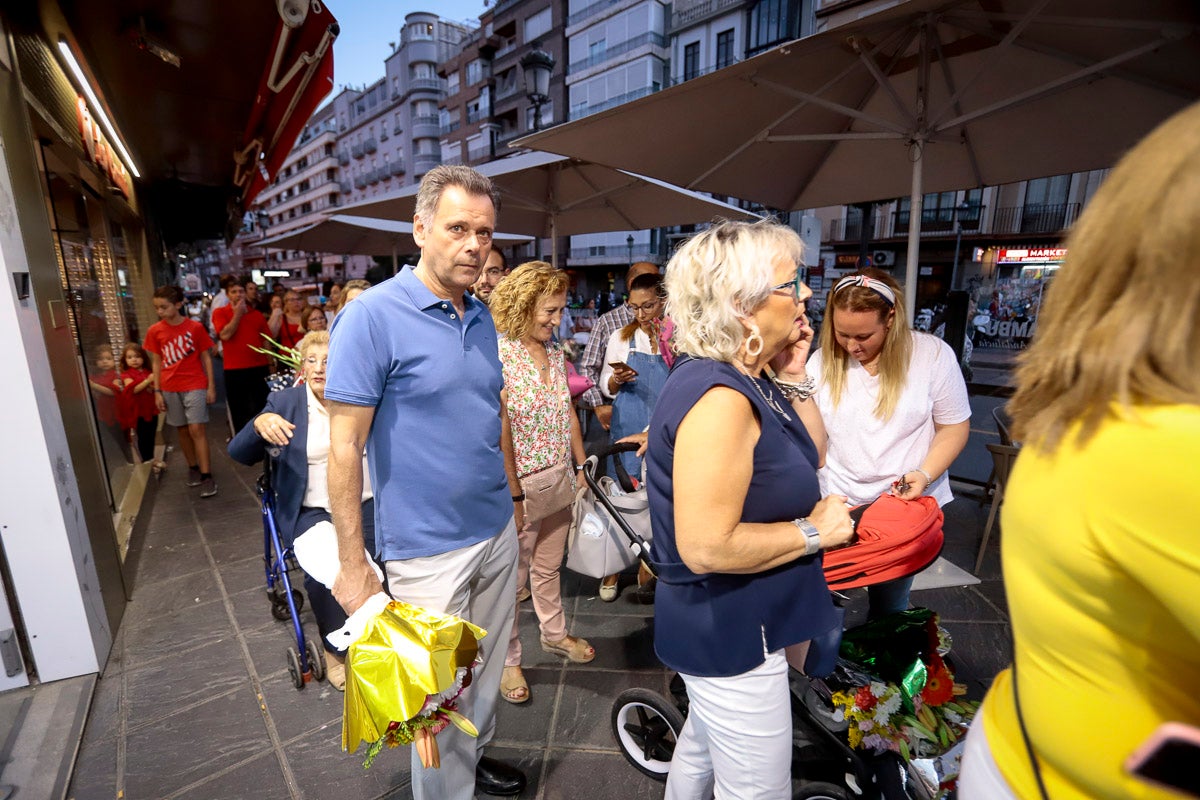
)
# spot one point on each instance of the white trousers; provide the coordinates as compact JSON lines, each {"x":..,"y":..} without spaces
{"x":479,"y":584}
{"x":737,"y":740}
{"x":980,"y":778}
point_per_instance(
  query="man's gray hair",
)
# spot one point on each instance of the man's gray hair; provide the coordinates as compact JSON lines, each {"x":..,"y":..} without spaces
{"x":437,"y":179}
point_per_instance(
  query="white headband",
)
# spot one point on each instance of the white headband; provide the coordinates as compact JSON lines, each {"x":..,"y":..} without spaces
{"x":874,"y":284}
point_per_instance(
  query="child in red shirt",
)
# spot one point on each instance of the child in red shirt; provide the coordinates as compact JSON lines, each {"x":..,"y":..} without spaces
{"x":137,"y":408}
{"x":183,"y":372}
{"x":105,"y":384}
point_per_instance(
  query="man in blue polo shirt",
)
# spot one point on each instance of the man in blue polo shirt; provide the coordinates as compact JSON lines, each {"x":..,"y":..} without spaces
{"x":416,"y":380}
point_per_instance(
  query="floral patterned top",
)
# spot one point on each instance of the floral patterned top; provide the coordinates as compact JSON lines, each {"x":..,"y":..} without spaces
{"x":540,"y":413}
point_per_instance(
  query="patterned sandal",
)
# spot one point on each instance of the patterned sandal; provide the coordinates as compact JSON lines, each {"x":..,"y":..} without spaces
{"x":572,"y":648}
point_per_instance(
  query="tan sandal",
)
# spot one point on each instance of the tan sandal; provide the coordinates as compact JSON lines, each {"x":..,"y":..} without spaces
{"x":512,"y":680}
{"x":572,"y":648}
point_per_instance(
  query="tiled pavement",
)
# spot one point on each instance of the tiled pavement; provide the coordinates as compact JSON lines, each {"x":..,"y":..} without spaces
{"x":196,"y":700}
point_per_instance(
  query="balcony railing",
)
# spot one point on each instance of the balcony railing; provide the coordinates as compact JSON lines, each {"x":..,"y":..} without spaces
{"x":451,"y":127}
{"x":343,"y":158}
{"x":356,"y":150}
{"x":424,"y":163}
{"x":939,"y":220}
{"x":397,"y":167}
{"x":360,"y":182}
{"x":373,"y":176}
{"x":344,"y":186}
{"x":479,"y":153}
{"x":681,"y":78}
{"x":1035,"y":218}
{"x":579,"y":112}
{"x":618,"y":49}
{"x":614,"y":253}
{"x":698,"y":11}
{"x":425,"y":84}
{"x":370,"y":146}
{"x":590,"y":11}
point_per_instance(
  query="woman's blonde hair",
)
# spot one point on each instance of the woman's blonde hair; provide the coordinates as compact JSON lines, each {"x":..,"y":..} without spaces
{"x":312,"y":339}
{"x":1121,"y":320}
{"x":513,"y":302}
{"x":718,"y":278}
{"x":897,"y":340}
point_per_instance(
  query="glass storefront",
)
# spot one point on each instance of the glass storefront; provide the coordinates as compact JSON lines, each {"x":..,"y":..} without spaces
{"x":1006,"y":308}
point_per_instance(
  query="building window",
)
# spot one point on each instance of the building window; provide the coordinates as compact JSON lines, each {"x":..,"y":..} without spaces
{"x":423,"y":71}
{"x":724,"y":48}
{"x":772,"y":22}
{"x":474,"y":72}
{"x":691,"y":61}
{"x":421,"y":30}
{"x":547,"y":115}
{"x":452,"y":83}
{"x":537,"y":24}
{"x":596,"y":51}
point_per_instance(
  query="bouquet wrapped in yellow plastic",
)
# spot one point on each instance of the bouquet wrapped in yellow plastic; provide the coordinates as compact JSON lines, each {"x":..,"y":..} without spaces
{"x":404,"y":674}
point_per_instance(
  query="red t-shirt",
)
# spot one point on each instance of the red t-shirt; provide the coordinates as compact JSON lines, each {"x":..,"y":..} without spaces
{"x":289,"y":334}
{"x":136,"y":405}
{"x":236,"y":350}
{"x":180,"y":347}
{"x":106,"y":404}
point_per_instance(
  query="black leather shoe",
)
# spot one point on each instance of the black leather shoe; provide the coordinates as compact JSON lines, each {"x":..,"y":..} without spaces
{"x":496,"y":777}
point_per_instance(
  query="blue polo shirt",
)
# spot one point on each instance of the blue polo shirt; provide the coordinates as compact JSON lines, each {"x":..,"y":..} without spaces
{"x":434,"y":380}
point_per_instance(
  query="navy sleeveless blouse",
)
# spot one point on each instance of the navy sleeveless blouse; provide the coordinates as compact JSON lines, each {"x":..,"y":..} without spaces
{"x":717,"y":624}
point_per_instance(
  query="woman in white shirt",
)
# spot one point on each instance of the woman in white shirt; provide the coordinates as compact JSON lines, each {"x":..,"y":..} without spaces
{"x":893,"y":401}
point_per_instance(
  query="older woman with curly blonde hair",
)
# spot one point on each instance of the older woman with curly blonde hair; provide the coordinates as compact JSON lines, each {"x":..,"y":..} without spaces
{"x":546,"y":441}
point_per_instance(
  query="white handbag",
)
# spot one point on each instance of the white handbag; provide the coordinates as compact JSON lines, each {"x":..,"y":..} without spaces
{"x":597,"y":545}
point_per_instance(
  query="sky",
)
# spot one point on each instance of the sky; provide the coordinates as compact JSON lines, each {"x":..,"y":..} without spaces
{"x":368,"y":25}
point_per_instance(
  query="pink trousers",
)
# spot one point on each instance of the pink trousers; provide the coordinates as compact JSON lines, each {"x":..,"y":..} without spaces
{"x":542,"y":546}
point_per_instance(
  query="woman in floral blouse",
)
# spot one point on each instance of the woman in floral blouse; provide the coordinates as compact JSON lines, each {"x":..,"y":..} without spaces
{"x":527,"y":307}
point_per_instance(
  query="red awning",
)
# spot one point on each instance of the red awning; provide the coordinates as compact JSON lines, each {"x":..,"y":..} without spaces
{"x":298,"y":77}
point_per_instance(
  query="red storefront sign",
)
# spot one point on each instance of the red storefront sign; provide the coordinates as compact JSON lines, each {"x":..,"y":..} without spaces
{"x":1031,"y":255}
{"x":99,"y":150}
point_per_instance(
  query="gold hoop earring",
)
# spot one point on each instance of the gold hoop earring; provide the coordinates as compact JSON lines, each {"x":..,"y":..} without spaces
{"x":754,"y":337}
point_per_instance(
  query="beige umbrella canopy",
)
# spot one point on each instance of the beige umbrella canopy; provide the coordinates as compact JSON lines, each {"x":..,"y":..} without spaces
{"x":550,"y":196}
{"x":930,"y":95}
{"x":350,"y":235}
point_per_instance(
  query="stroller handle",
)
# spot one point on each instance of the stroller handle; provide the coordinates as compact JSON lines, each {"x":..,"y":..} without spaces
{"x":617,"y":447}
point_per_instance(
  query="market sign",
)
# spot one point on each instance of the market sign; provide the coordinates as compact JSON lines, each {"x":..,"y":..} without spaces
{"x":99,"y":151}
{"x":1032,"y":255}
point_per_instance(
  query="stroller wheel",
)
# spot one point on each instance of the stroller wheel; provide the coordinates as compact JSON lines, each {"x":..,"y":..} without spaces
{"x":279,"y":604}
{"x":646,"y":726}
{"x":293,"y":659}
{"x":813,"y":790}
{"x":280,"y":611}
{"x":316,"y":659}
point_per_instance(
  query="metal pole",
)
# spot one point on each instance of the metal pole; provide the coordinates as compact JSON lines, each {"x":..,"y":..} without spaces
{"x":915,"y":207}
{"x":957,"y":246}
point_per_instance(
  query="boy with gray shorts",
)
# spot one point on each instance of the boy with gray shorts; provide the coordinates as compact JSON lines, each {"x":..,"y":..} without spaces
{"x":183,"y":379}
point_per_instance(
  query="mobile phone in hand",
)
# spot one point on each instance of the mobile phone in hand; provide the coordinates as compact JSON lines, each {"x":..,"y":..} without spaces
{"x":1169,"y":758}
{"x":615,"y":364}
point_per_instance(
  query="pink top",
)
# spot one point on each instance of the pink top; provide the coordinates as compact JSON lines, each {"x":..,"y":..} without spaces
{"x":540,"y":413}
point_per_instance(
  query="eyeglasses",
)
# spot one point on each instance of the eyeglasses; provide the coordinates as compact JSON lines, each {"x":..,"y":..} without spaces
{"x":794,"y":285}
{"x":312,"y":361}
{"x":648,"y":308}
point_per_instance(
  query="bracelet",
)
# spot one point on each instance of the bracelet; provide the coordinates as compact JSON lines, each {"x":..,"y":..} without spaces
{"x":158,"y":391}
{"x":928,"y":480}
{"x":812,"y":537}
{"x":797,"y":391}
{"x":519,"y":498}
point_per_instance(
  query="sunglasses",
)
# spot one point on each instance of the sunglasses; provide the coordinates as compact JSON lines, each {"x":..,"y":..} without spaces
{"x":794,"y":285}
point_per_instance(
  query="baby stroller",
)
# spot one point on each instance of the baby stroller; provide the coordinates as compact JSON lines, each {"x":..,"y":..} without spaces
{"x":610,"y":530}
{"x":304,"y":661}
{"x":824,"y":765}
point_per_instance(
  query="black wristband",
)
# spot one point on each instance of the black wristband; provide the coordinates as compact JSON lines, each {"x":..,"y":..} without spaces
{"x":519,"y":498}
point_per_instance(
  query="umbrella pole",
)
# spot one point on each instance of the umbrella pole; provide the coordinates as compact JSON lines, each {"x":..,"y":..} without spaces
{"x":915,"y":207}
{"x":553,"y":242}
{"x":395,"y":269}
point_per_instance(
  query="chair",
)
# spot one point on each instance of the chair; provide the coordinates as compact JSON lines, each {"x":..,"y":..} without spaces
{"x":1003,"y":456}
{"x":1003,"y":429}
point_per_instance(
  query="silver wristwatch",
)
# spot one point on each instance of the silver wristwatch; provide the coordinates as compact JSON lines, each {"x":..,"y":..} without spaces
{"x":812,"y":537}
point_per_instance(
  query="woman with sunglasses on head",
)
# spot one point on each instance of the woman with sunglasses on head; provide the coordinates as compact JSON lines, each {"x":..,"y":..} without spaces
{"x":893,"y":401}
{"x":738,"y":521}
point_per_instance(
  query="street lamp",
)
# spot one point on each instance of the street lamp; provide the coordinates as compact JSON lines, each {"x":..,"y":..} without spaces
{"x":959,"y":209}
{"x":629,"y":244}
{"x":537,"y":65}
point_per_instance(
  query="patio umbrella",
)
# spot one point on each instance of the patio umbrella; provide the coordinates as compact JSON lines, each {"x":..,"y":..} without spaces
{"x":349,"y":235}
{"x":550,"y":196}
{"x":929,"y":95}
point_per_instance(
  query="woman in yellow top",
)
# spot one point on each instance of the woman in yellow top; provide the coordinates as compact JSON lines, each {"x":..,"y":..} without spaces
{"x":1100,"y":551}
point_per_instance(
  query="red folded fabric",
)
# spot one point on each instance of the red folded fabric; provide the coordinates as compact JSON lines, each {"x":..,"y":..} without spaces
{"x":896,"y":538}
